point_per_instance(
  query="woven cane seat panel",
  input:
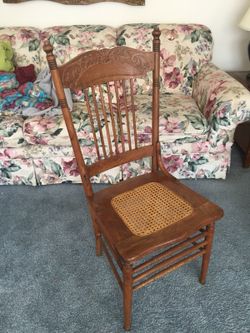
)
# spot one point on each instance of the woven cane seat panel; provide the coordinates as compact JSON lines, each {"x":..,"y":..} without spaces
{"x":150,"y":208}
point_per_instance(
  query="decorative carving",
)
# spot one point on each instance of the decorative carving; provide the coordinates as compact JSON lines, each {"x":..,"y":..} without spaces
{"x":80,"y":70}
{"x":87,"y":2}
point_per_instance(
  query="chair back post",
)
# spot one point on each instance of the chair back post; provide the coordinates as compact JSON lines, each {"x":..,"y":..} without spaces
{"x":156,"y":95}
{"x":48,"y":48}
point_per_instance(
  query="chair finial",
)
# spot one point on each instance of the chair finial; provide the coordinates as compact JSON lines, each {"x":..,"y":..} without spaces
{"x":156,"y":41}
{"x":48,"y":48}
{"x":156,"y":33}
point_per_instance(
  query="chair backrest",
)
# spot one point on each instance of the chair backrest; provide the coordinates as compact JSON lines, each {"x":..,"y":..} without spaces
{"x":107,"y":79}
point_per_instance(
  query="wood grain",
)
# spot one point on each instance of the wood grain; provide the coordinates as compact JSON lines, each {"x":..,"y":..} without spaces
{"x":164,"y":250}
{"x":86,"y":2}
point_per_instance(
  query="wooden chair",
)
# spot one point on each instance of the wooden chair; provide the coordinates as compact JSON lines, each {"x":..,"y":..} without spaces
{"x":150,"y":213}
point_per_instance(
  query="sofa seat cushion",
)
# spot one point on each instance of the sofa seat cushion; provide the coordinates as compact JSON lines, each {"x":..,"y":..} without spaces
{"x":51,"y":130}
{"x":194,"y":146}
{"x":180,"y":119}
{"x":45,"y":151}
{"x":11,"y":131}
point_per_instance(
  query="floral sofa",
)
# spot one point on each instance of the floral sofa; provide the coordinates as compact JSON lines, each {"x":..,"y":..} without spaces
{"x":200,"y":106}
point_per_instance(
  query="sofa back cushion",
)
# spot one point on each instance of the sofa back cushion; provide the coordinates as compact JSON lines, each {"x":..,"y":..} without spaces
{"x":25,"y":42}
{"x":69,"y":41}
{"x":184,"y":49}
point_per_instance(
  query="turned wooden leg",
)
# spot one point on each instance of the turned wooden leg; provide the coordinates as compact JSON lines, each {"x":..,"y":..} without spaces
{"x":246,"y":163}
{"x":127,"y":295}
{"x":98,"y":246}
{"x":97,"y":232}
{"x":98,"y":239}
{"x":206,"y":256}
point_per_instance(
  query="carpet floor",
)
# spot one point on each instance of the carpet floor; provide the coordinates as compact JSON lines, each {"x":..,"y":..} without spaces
{"x":52,"y":282}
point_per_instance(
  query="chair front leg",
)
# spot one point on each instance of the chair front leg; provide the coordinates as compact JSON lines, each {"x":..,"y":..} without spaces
{"x":98,"y":239}
{"x":206,"y":256}
{"x":127,"y":295}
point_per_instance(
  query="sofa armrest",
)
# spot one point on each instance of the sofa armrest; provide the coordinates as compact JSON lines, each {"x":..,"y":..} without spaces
{"x":225,"y":103}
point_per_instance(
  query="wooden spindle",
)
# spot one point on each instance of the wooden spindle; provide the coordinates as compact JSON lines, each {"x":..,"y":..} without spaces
{"x":112,"y":118}
{"x":168,"y":270}
{"x":126,"y":112}
{"x":133,"y":111}
{"x":92,"y":123}
{"x":169,"y":252}
{"x":156,"y":96}
{"x":119,"y":116}
{"x":98,"y":121}
{"x":162,"y":265}
{"x":105,"y":119}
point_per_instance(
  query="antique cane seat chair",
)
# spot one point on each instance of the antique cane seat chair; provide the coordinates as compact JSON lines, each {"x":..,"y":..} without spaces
{"x":151,"y":224}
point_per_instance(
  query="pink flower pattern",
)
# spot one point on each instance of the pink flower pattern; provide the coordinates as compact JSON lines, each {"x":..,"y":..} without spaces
{"x":37,"y":150}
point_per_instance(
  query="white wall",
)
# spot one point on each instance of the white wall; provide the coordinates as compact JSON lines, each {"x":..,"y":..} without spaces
{"x":221,"y":16}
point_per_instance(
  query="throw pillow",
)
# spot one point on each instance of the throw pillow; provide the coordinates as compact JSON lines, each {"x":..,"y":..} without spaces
{"x":6,"y":55}
{"x":25,"y":74}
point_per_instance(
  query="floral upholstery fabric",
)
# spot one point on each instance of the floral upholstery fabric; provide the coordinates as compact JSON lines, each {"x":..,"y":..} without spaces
{"x":51,"y":130}
{"x":11,"y":131}
{"x":57,"y":164}
{"x":25,"y":42}
{"x":225,"y":103}
{"x":188,"y":165}
{"x":180,"y":119}
{"x":55,"y":170}
{"x":198,"y":165}
{"x":200,"y":107}
{"x":17,"y":172}
{"x":185,"y":149}
{"x":16,"y":167}
{"x":184,"y":49}
{"x":69,"y":41}
{"x":46,"y":130}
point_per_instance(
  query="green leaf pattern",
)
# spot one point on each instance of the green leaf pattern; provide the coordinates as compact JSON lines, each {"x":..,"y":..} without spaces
{"x":194,"y":144}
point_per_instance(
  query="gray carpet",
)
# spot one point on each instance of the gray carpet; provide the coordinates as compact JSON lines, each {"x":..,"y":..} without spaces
{"x":51,"y":281}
